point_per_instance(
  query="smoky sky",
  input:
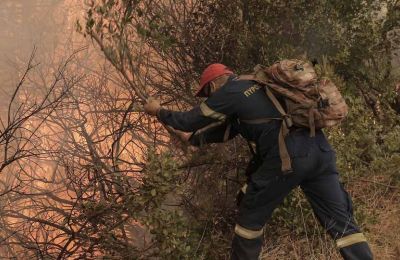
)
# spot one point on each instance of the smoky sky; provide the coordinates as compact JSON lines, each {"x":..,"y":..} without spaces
{"x":47,"y":25}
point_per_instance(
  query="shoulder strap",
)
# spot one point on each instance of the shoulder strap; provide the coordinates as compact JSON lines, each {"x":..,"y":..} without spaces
{"x":247,"y":77}
{"x":283,"y":152}
{"x":286,"y":118}
{"x":271,"y":96}
{"x":286,"y":123}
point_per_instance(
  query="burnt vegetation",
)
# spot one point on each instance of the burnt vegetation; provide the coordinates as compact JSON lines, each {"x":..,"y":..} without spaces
{"x":85,"y":173}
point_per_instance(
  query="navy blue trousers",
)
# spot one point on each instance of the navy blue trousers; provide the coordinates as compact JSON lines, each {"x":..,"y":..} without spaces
{"x":314,"y":164}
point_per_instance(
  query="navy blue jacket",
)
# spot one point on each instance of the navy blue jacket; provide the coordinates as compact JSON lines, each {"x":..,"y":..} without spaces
{"x":235,"y":101}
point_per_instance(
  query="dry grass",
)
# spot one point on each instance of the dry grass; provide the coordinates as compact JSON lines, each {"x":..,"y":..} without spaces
{"x":384,"y":233}
{"x":376,"y":198}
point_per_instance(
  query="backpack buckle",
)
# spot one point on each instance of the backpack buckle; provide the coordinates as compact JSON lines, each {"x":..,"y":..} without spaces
{"x":299,"y":67}
{"x":288,"y":121}
{"x":323,"y":103}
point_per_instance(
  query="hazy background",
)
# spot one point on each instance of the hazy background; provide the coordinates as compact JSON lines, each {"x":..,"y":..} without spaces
{"x":47,"y":24}
{"x":71,"y":165}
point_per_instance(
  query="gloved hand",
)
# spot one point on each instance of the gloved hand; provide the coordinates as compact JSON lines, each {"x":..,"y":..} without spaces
{"x":152,"y":106}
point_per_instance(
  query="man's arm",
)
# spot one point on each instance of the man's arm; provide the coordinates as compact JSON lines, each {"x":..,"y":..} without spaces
{"x":188,"y":121}
{"x":217,"y":108}
{"x":213,"y":133}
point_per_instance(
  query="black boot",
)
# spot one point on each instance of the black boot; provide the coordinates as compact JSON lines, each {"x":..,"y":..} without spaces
{"x":358,"y":251}
{"x":246,"y":249}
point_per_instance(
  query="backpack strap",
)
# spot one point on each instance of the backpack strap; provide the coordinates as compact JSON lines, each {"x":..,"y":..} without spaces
{"x":283,"y":152}
{"x":285,"y":117}
{"x":248,"y":77}
{"x":227,"y":132}
{"x":286,"y":120}
{"x":258,"y":120}
{"x":311,"y":121}
{"x":283,"y":132}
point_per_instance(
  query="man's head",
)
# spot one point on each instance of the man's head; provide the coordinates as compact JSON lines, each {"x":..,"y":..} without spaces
{"x":212,"y":78}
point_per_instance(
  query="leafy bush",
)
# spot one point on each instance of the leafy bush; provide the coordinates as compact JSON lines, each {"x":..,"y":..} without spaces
{"x":349,"y":40}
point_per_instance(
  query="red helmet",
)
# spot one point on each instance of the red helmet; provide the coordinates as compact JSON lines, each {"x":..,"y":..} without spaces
{"x":210,"y":73}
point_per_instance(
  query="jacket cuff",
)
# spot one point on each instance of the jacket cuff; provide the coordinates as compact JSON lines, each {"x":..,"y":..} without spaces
{"x":159,"y":114}
{"x":192,"y":140}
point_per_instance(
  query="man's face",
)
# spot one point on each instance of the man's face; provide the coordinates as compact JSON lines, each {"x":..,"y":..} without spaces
{"x":207,"y":90}
{"x":214,"y":85}
{"x":211,"y":88}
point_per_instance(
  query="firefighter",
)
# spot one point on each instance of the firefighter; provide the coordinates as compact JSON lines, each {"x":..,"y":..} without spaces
{"x":230,"y":103}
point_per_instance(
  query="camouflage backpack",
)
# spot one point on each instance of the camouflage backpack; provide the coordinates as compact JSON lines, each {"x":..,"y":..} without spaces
{"x":310,"y":102}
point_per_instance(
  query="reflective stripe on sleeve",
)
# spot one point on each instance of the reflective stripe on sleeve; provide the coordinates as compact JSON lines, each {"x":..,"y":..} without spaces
{"x":350,"y":240}
{"x":204,"y":129}
{"x":208,"y":112}
{"x":244,"y":188}
{"x":247,"y":233}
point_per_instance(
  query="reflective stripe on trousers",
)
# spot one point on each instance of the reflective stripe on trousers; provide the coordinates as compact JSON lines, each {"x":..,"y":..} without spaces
{"x":247,"y":233}
{"x":350,"y":240}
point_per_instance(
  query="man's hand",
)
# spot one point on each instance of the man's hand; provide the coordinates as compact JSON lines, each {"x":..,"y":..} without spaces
{"x":181,"y":139}
{"x":152,"y":106}
{"x":184,"y":136}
